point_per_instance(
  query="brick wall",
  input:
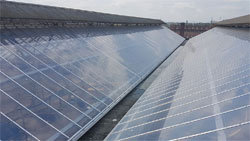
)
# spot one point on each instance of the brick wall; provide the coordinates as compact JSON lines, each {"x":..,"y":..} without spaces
{"x":189,"y":30}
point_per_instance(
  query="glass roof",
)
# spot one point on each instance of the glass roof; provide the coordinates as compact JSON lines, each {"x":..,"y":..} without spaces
{"x":203,"y":94}
{"x":57,"y":82}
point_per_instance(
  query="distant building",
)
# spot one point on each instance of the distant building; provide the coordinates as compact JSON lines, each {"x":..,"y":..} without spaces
{"x":189,"y":30}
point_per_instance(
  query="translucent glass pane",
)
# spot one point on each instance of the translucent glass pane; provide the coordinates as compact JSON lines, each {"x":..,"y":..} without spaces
{"x":204,"y":88}
{"x":68,"y":77}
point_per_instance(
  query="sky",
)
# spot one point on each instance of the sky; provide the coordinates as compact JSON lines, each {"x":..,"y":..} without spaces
{"x":166,"y":10}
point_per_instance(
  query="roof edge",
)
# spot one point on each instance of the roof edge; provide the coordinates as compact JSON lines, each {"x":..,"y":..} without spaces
{"x":24,"y":13}
{"x":241,"y":22}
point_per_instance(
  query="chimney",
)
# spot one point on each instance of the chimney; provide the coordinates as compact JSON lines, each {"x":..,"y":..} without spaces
{"x":182,"y":28}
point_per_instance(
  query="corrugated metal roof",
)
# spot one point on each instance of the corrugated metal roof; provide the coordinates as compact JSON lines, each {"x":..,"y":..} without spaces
{"x":33,"y":11}
{"x":238,"y":21}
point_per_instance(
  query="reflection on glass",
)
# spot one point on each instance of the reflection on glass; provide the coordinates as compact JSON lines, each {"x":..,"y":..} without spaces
{"x":204,"y":88}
